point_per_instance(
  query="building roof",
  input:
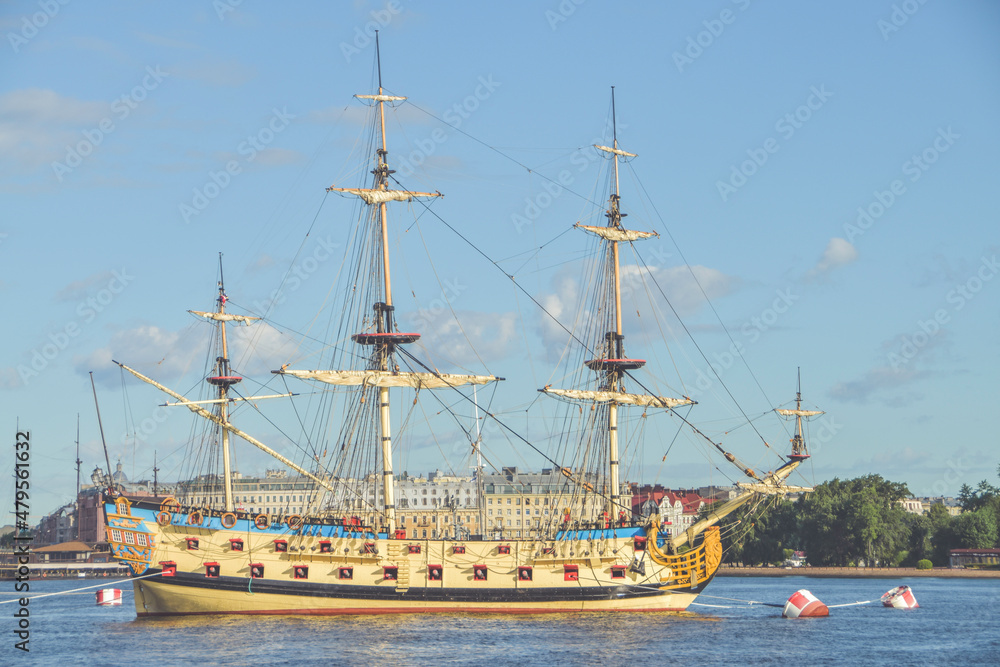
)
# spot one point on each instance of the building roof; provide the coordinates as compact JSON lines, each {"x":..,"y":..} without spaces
{"x":65,"y":546}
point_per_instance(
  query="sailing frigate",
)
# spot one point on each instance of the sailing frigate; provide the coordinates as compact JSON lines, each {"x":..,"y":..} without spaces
{"x":354,"y":558}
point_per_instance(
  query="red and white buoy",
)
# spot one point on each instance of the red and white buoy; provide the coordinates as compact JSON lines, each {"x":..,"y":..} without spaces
{"x":900,"y":597}
{"x":804,"y":604}
{"x":109,"y":597}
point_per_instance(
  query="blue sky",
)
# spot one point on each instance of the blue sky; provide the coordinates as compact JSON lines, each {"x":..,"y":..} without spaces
{"x":829,"y":169}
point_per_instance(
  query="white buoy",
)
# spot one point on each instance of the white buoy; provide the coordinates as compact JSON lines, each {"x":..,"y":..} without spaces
{"x":109,"y":597}
{"x":804,"y":604}
{"x":900,"y":597}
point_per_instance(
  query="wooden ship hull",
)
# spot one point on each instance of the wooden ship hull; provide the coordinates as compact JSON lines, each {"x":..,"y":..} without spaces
{"x":187,"y":562}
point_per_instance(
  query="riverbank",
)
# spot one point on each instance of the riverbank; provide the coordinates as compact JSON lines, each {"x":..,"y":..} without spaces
{"x":855,"y":572}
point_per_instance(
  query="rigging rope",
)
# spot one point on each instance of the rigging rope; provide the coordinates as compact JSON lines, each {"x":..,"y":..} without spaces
{"x":105,"y":584}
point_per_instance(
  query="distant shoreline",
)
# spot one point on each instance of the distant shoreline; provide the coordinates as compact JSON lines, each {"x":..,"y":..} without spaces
{"x":855,"y":572}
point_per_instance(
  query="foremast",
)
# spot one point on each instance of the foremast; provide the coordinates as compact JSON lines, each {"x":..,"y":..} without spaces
{"x":799,"y":450}
{"x":223,"y":378}
{"x":613,"y":365}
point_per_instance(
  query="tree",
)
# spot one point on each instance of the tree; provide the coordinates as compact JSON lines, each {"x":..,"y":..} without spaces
{"x":974,"y":499}
{"x":851,"y":520}
{"x":976,"y":530}
{"x":756,"y":536}
{"x":918,"y":546}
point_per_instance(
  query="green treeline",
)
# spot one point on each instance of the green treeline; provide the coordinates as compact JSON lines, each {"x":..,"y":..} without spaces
{"x":849,"y":522}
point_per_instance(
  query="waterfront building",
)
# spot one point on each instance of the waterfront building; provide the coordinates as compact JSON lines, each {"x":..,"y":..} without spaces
{"x":974,"y":558}
{"x":678,"y":510}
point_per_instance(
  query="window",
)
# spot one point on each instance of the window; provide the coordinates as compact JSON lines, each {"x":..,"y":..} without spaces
{"x":116,"y":535}
{"x":324,"y":547}
{"x":617,"y":571}
{"x":169,"y":568}
{"x":256,"y":571}
{"x":413,"y":548}
{"x":212,"y":570}
{"x":140,"y":539}
{"x":280,"y":545}
{"x":503,"y":549}
{"x":390,"y":573}
{"x":236,"y":544}
{"x":368,"y":548}
{"x":345,"y":573}
{"x":571,"y":573}
{"x":640,"y":544}
{"x":458,"y":549}
{"x":301,"y":572}
{"x":192,"y":543}
{"x":129,"y":537}
{"x":434,"y":572}
{"x":479,"y":572}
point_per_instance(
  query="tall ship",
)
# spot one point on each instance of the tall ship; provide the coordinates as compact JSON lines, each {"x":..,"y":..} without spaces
{"x":348,"y":549}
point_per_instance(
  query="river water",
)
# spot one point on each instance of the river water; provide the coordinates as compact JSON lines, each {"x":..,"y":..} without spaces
{"x":958,"y":623}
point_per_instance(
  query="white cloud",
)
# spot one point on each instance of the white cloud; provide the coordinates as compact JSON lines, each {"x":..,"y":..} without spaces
{"x":685,"y":288}
{"x":36,"y":125}
{"x":839,"y":252}
{"x":167,"y":356}
{"x":475,"y":340}
{"x":80,"y":289}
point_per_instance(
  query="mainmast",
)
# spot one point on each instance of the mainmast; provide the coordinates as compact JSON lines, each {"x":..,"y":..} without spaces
{"x":383,"y":336}
{"x":385,"y":348}
{"x":613,"y":373}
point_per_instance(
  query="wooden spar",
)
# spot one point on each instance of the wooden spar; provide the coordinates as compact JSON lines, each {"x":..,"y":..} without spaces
{"x":202,"y":412}
{"x":770,"y":485}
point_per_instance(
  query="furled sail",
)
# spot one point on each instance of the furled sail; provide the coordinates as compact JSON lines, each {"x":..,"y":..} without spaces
{"x":614,"y":151}
{"x":376,"y":196}
{"x":381,"y":98}
{"x":799,"y":413}
{"x":375,"y":378}
{"x":616,"y":234}
{"x":223,"y":317}
{"x":621,"y":398}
